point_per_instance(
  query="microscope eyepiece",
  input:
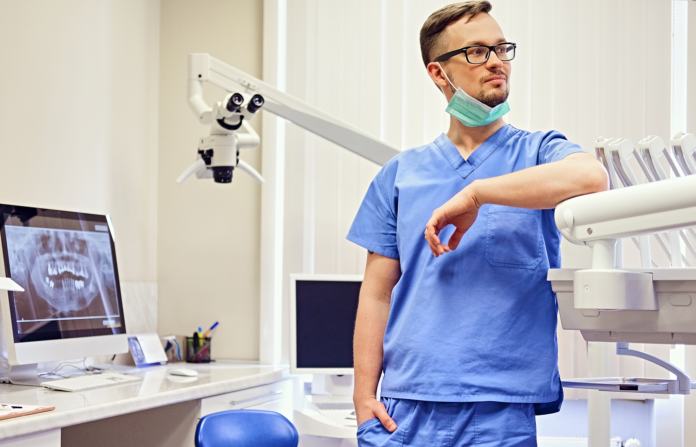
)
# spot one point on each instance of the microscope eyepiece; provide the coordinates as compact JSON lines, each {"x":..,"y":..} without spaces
{"x":255,"y":103}
{"x":235,"y":102}
{"x":222,"y":174}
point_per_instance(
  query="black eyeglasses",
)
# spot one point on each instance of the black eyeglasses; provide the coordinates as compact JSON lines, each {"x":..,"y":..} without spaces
{"x":478,"y":54}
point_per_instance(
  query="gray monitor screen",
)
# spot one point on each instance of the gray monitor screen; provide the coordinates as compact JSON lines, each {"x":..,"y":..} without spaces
{"x":325,"y":320}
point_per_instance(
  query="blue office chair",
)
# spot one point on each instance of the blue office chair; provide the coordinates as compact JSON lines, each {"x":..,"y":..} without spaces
{"x":246,"y":428}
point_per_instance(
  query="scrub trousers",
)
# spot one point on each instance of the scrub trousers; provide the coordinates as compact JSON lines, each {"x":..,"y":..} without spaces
{"x":452,"y":424}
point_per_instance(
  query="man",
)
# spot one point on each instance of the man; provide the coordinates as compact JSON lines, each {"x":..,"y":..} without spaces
{"x":464,"y":331}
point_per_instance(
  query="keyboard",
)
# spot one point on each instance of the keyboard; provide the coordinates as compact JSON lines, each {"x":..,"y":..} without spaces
{"x":89,"y":382}
{"x":335,"y":406}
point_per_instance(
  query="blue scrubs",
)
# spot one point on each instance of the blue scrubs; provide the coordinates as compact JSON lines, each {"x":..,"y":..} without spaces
{"x":452,"y":424}
{"x":479,"y":323}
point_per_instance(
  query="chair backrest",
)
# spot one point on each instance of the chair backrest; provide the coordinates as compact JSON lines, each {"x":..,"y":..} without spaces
{"x":246,"y":428}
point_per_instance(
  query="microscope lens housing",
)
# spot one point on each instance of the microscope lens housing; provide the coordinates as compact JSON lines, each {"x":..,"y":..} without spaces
{"x":222,"y":174}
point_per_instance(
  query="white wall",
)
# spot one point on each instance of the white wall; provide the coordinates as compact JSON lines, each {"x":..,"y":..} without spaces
{"x":78,"y":115}
{"x":208,"y":233}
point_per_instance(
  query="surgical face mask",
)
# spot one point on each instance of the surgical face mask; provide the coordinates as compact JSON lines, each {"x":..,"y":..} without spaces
{"x":470,"y":111}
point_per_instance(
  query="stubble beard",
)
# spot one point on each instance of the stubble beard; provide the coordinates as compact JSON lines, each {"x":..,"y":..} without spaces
{"x":496,"y":96}
{"x":492,"y":98}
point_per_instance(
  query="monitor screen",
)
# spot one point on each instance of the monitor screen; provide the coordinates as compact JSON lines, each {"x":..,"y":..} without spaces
{"x":66,"y":263}
{"x":324,"y":321}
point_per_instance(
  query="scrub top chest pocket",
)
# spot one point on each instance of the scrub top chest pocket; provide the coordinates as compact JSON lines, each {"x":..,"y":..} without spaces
{"x":513,"y":237}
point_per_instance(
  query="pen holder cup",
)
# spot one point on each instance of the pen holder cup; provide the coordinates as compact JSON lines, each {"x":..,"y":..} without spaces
{"x":198,"y":354}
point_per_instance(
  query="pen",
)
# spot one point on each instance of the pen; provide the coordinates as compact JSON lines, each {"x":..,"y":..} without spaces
{"x":200,"y":332}
{"x":212,"y":328}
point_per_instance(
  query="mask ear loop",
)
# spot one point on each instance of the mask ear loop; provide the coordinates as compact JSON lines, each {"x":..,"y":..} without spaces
{"x":446,"y":77}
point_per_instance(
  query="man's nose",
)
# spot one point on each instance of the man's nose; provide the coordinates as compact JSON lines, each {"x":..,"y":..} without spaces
{"x":493,"y":63}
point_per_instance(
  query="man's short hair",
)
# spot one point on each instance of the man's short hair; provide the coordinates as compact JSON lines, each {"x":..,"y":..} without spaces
{"x":431,"y":32}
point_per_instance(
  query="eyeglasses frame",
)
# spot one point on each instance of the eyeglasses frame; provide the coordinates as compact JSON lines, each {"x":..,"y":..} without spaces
{"x":491,"y":48}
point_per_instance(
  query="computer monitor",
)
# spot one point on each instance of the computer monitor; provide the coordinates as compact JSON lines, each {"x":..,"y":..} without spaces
{"x":71,"y":305}
{"x":322,"y":320}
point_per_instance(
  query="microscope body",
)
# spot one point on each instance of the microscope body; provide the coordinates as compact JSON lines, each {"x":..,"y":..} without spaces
{"x":218,"y":153}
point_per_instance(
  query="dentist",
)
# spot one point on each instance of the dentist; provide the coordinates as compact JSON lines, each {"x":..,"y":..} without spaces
{"x":463,"y":323}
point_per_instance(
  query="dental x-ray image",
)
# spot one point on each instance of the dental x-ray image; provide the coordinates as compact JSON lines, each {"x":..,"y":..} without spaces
{"x":68,"y":276}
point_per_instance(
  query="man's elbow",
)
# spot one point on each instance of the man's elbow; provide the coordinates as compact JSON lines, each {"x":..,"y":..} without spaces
{"x":587,"y":173}
{"x":596,"y":179}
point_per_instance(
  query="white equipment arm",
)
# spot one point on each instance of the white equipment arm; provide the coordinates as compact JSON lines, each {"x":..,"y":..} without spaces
{"x":625,"y":212}
{"x":204,"y":68}
{"x":640,"y":209}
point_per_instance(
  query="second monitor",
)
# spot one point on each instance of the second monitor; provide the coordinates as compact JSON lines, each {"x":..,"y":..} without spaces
{"x":322,"y":320}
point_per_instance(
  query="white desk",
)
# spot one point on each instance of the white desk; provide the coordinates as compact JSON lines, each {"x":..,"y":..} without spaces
{"x":160,"y":410}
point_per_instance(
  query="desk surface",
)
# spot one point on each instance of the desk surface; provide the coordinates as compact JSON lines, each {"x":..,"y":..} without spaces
{"x":155,"y":390}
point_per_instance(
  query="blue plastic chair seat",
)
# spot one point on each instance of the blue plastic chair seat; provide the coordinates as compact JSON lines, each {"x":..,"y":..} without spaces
{"x":246,"y":428}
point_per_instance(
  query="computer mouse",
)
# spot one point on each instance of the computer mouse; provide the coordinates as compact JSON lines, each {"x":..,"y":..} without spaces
{"x":184,"y":372}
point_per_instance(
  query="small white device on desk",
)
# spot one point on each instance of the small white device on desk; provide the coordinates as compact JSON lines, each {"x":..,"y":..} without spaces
{"x":183,"y":372}
{"x":322,"y":318}
{"x":69,"y":303}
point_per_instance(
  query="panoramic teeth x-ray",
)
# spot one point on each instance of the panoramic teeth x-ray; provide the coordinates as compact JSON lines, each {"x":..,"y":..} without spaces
{"x":62,"y":272}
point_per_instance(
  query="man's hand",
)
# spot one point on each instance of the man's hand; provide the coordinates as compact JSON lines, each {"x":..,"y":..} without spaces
{"x":370,"y":408}
{"x":460,"y":211}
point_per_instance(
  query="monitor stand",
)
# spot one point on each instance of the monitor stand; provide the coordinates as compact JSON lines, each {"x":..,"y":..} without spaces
{"x":25,"y":375}
{"x":333,"y":385}
{"x":331,"y":413}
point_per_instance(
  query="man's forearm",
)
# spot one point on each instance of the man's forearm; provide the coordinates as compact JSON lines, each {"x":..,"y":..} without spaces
{"x":370,"y":325}
{"x":381,"y":275}
{"x":543,"y":186}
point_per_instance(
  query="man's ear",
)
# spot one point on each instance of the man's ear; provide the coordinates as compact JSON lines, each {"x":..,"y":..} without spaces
{"x":437,"y":75}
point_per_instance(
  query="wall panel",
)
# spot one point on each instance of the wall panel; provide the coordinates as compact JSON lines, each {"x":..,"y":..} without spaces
{"x":208,"y":234}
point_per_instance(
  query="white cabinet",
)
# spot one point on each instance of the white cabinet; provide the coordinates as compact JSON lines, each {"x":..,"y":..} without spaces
{"x":273,"y":397}
{"x":49,"y":438}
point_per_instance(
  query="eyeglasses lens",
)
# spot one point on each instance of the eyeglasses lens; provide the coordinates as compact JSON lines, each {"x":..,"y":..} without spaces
{"x":479,"y":55}
{"x":505,"y":52}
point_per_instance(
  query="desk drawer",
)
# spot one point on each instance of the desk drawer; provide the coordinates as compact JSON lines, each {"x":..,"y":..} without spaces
{"x":250,"y":397}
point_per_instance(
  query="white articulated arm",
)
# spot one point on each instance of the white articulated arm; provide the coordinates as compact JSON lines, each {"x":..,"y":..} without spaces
{"x":248,"y":140}
{"x":683,"y":385}
{"x":204,"y":68}
{"x":195,"y":99}
{"x":641,"y":209}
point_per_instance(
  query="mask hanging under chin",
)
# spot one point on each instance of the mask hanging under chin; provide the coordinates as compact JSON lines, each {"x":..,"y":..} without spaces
{"x":470,"y":111}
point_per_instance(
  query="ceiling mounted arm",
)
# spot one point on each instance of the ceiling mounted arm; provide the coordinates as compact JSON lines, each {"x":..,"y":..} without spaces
{"x":204,"y":68}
